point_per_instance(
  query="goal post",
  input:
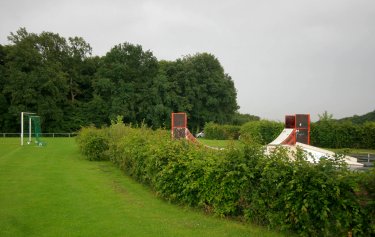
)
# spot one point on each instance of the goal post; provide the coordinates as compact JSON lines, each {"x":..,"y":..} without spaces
{"x":23,"y":114}
{"x":33,"y":128}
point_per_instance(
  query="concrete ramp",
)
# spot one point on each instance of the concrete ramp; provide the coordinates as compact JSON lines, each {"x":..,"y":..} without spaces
{"x":314,"y":154}
{"x":286,"y":137}
{"x":297,"y":134}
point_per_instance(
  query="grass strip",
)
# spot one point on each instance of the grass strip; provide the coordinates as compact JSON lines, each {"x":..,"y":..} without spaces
{"x":53,"y":191}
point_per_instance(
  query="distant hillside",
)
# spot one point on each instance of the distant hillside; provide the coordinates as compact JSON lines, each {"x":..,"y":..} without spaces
{"x":360,"y":119}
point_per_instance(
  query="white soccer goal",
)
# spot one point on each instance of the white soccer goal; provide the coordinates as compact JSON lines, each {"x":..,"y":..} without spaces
{"x":29,"y":133}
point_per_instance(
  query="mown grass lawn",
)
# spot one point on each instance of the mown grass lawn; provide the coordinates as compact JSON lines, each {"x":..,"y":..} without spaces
{"x":354,"y":151}
{"x":219,"y":143}
{"x":53,"y":191}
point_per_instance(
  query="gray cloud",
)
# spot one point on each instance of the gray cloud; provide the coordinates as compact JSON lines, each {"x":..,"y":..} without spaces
{"x":285,"y":57}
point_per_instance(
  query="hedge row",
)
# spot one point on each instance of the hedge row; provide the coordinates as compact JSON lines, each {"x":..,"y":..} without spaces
{"x":343,"y":134}
{"x":330,"y":133}
{"x":262,"y":131}
{"x":325,"y":199}
{"x":221,"y":132}
{"x":93,"y":143}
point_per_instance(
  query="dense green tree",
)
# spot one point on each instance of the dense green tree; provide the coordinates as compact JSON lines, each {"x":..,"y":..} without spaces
{"x":37,"y":81}
{"x":160,"y":97}
{"x":80,"y":69}
{"x":42,"y":73}
{"x":360,"y":119}
{"x":3,"y":101}
{"x":78,"y":51}
{"x":68,"y":88}
{"x":200,"y":87}
{"x":124,"y":81}
{"x":325,"y":116}
{"x":368,"y":135}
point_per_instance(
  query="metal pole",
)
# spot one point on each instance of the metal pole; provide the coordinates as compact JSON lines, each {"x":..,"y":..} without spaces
{"x":29,"y":130}
{"x":22,"y":114}
{"x":21,"y":128}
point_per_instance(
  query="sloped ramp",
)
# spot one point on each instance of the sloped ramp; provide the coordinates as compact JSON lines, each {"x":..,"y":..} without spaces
{"x":190,"y":136}
{"x":286,"y":137}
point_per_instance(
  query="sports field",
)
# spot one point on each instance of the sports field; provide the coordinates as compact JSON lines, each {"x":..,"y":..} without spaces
{"x":53,"y":191}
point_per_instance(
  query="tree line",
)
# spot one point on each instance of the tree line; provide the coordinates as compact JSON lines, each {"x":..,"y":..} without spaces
{"x":61,"y":81}
{"x":360,"y":119}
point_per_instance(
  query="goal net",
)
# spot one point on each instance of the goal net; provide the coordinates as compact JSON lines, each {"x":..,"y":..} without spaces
{"x":31,"y":129}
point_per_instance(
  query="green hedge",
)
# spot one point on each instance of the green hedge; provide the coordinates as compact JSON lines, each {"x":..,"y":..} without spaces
{"x":93,"y":143}
{"x":325,"y":199}
{"x":335,"y":134}
{"x":221,"y":132}
{"x":262,"y":132}
{"x":329,"y":133}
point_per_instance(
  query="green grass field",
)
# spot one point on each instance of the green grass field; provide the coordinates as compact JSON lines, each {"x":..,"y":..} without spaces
{"x":53,"y":191}
{"x":219,"y":143}
{"x":355,"y":151}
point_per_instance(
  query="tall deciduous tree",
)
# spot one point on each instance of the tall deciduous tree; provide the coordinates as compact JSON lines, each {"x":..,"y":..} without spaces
{"x":199,"y":86}
{"x":80,"y":69}
{"x":3,"y":101}
{"x":62,"y":82}
{"x":124,"y":81}
{"x":42,"y":72}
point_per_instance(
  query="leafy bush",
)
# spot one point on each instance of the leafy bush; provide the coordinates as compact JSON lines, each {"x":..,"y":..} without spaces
{"x":309,"y":199}
{"x":366,"y":198}
{"x":323,"y":199}
{"x":221,"y":132}
{"x":93,"y":143}
{"x":262,"y":132}
{"x":368,"y":137}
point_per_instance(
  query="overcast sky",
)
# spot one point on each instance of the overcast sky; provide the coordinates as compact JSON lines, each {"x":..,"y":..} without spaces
{"x":285,"y":56}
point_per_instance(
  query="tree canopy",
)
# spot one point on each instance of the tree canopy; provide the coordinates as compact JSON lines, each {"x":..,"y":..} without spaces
{"x":60,"y":80}
{"x":360,"y":119}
